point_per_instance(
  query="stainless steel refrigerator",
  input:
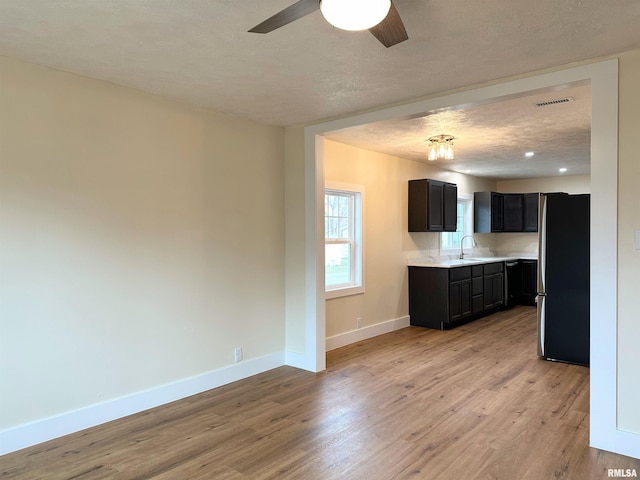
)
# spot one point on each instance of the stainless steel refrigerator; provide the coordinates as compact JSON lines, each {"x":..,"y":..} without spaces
{"x":563,"y":278}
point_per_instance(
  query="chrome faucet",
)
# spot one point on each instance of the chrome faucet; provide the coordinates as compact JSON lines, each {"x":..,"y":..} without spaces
{"x":462,"y":241}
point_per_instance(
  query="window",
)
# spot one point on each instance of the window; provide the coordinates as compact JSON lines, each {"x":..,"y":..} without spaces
{"x":450,"y":241}
{"x":343,"y":240}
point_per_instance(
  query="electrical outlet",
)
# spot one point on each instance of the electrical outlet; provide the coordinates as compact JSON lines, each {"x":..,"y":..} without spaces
{"x":358,"y":322}
{"x":238,"y":354}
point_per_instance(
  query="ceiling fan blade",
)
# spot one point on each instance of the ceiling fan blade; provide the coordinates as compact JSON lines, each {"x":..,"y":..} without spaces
{"x":293,"y":12}
{"x":391,"y":30}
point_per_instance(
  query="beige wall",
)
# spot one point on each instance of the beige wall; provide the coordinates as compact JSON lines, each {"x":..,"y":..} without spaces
{"x":527,"y":243}
{"x":562,"y":183}
{"x":386,"y":239}
{"x":628,"y":257}
{"x":295,"y":240}
{"x":141,"y":241}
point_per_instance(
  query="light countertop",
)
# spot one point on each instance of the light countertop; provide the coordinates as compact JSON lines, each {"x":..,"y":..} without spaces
{"x":468,"y":260}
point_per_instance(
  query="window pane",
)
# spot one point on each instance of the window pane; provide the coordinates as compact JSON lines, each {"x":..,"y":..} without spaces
{"x":337,"y":264}
{"x":331,"y":204}
{"x":332,"y":227}
{"x":343,"y":206}
{"x":343,"y":235}
{"x":345,"y":228}
{"x":451,"y":240}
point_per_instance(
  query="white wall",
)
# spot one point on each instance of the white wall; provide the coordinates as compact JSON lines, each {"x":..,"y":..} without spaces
{"x":628,"y":256}
{"x":141,"y":241}
{"x":387,"y":242}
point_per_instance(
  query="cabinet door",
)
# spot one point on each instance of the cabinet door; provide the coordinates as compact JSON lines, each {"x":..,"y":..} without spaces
{"x":498,"y":289}
{"x":465,"y":298}
{"x":493,"y":290}
{"x":513,"y":212}
{"x":497,"y":212}
{"x":450,"y":207}
{"x":531,"y":207}
{"x":529,"y":281}
{"x":514,"y":280}
{"x":459,"y":300}
{"x":435,"y":217}
{"x":455,"y":306}
{"x":477,"y":303}
{"x":488,"y":292}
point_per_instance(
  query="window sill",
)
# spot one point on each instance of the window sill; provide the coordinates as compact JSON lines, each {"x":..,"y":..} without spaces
{"x":343,"y":292}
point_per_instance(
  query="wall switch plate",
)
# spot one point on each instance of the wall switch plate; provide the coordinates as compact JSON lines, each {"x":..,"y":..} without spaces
{"x":637,"y":239}
{"x":238,"y":354}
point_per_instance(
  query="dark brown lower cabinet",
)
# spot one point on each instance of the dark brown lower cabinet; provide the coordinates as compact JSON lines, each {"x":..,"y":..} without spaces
{"x":529,"y":281}
{"x":459,"y":300}
{"x":493,"y":285}
{"x":477,"y":289}
{"x":443,"y":298}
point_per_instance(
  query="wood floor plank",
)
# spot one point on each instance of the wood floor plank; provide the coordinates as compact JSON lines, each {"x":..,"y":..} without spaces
{"x":474,"y":402}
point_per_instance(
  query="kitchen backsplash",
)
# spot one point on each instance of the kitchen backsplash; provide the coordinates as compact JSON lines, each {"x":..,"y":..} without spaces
{"x":488,"y":245}
{"x":516,"y":242}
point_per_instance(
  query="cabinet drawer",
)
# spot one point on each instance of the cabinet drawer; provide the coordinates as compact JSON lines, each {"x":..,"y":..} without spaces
{"x":459,"y":273}
{"x":477,"y":303}
{"x":490,"y":268}
{"x":477,"y":285}
{"x":477,"y":271}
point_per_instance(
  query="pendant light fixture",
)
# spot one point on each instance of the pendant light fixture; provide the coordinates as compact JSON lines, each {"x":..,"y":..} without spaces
{"x":441,"y":147}
{"x":354,"y":14}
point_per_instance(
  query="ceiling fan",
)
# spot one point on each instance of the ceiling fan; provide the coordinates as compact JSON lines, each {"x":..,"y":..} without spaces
{"x":387,"y":27}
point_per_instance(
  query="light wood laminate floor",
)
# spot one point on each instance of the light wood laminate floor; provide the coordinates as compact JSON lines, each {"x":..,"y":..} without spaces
{"x":471,"y":403}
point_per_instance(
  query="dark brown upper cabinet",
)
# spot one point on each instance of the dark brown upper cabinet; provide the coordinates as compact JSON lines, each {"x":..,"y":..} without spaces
{"x":513,"y":212}
{"x":531,"y":209}
{"x":488,"y":212}
{"x":505,"y":212}
{"x":432,"y":206}
{"x":450,"y":207}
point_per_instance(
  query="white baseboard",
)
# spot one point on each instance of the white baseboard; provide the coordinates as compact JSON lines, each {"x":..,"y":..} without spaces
{"x":29,"y":434}
{"x":354,"y":336}
{"x":298,"y":360}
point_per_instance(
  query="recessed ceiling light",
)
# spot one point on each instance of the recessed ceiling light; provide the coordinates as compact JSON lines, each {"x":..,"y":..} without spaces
{"x":529,"y":154}
{"x":562,"y":170}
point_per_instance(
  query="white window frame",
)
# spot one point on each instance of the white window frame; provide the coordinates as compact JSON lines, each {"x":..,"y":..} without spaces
{"x":467,"y":227}
{"x":357,"y":250}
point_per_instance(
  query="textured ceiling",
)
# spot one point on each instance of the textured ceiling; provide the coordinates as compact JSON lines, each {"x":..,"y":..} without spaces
{"x":199,"y":51}
{"x":491,"y":140}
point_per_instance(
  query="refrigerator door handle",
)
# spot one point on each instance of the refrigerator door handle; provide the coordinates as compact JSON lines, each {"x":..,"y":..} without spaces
{"x":540,"y":303}
{"x":542,"y":244}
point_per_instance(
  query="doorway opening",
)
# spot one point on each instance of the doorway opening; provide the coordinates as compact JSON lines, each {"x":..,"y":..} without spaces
{"x":603,"y":78}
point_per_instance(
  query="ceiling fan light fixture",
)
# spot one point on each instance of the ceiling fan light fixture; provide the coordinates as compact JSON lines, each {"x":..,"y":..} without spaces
{"x":441,"y":147}
{"x":354,"y":15}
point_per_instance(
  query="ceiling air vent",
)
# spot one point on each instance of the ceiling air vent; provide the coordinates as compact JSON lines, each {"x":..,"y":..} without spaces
{"x":554,"y":102}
